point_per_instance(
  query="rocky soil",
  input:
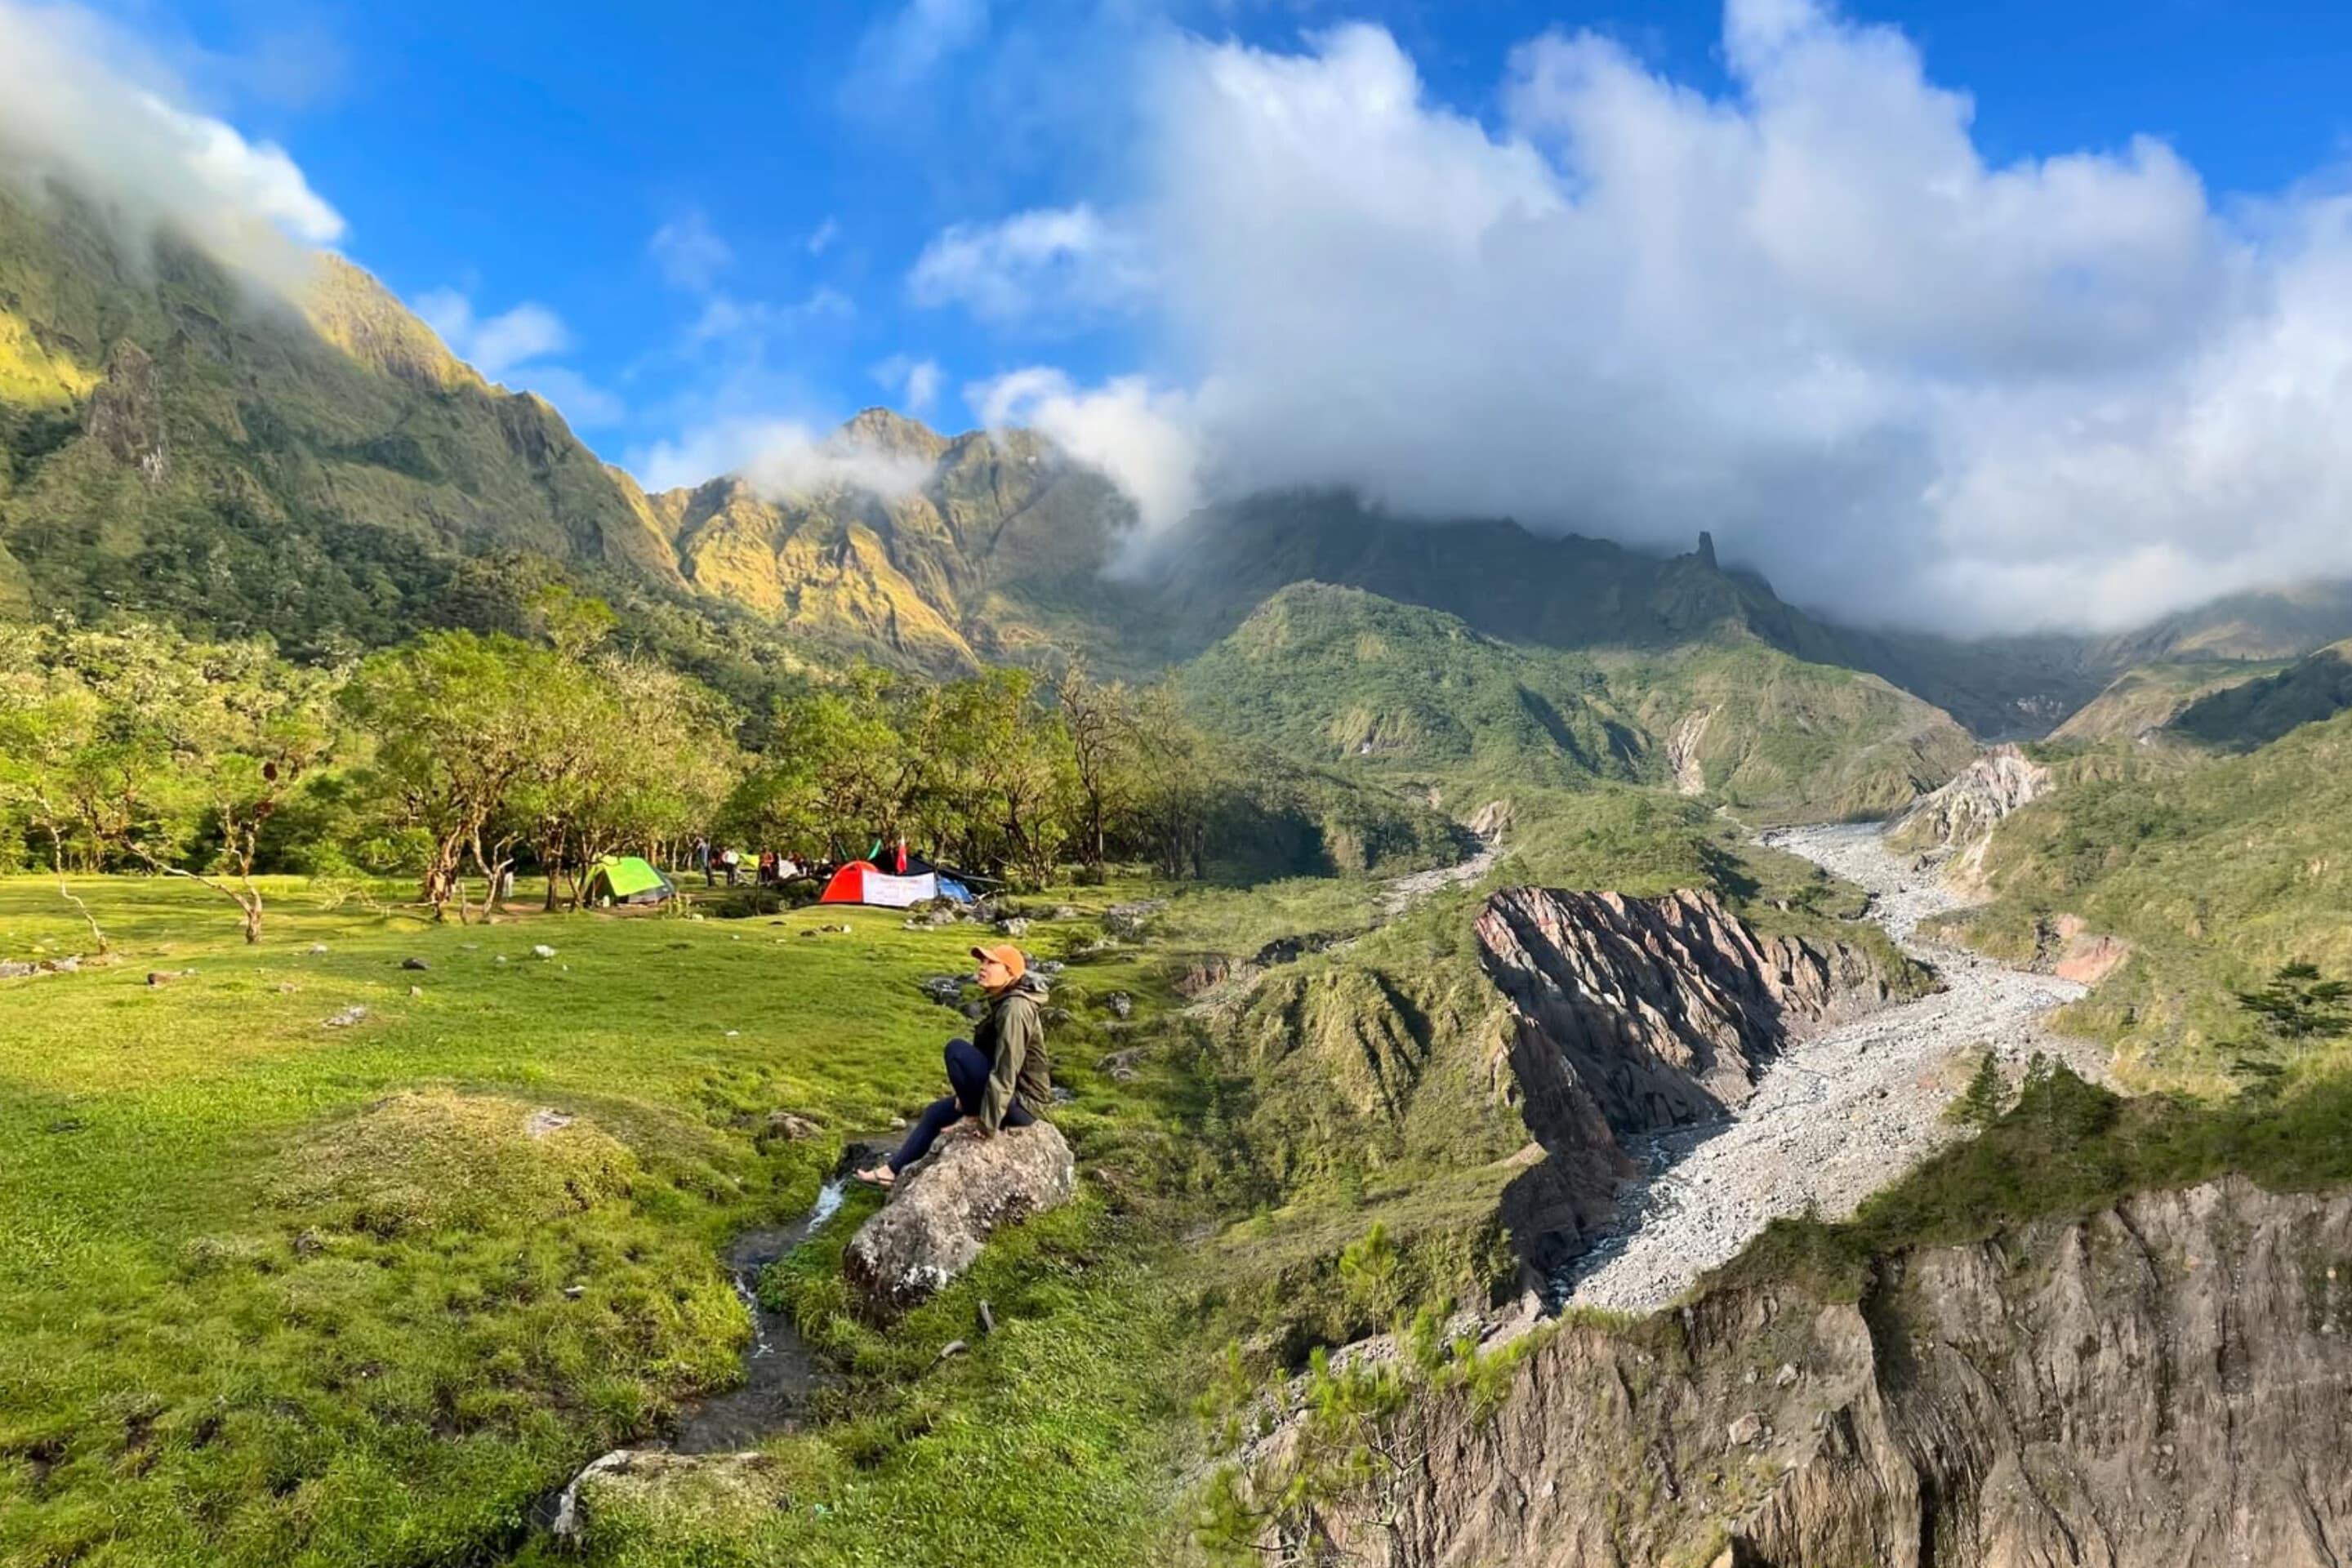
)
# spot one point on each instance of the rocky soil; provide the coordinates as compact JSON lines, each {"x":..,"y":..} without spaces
{"x":1835,"y":1117}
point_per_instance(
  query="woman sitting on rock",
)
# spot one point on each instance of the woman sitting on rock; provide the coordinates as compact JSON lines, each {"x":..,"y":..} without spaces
{"x":997,"y":1075}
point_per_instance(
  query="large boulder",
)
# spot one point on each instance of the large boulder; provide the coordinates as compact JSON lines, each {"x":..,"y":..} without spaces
{"x":947,"y":1204}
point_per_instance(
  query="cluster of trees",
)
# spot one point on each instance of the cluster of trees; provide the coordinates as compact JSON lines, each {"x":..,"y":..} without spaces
{"x":1006,"y":771}
{"x":459,"y":758}
{"x":139,"y":748}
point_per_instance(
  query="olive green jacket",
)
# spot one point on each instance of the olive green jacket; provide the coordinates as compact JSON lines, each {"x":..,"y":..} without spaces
{"x":1012,"y":1038}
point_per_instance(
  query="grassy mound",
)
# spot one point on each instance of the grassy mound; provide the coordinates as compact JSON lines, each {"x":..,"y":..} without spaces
{"x":431,"y":1159}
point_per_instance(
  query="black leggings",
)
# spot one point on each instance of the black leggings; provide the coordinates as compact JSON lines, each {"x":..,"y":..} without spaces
{"x":968,"y":1076}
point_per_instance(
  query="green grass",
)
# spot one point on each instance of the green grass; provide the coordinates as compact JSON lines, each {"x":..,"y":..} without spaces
{"x":273,"y":1292}
{"x":2216,"y":874}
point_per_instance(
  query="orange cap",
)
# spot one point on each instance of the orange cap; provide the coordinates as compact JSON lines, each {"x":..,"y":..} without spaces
{"x":1008,"y":955}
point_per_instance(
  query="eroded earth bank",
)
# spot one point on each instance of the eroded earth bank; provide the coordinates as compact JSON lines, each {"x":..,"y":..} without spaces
{"x":2162,"y":1382}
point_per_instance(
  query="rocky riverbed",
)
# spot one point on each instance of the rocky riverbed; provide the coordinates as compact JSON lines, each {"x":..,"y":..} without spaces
{"x":1835,"y":1118}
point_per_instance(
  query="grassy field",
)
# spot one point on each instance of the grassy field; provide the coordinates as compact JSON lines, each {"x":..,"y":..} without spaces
{"x":274,"y":1291}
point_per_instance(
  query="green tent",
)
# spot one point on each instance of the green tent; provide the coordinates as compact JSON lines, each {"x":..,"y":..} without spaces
{"x":626,"y":879}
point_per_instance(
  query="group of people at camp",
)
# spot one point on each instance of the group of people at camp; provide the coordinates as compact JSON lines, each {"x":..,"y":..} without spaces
{"x":773,"y":868}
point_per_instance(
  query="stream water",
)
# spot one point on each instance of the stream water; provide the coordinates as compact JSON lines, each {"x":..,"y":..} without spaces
{"x":778,"y":1372}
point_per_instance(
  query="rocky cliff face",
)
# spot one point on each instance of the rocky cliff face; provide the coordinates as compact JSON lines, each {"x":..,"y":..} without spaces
{"x":1629,"y":1015}
{"x":1957,"y":821}
{"x":2164,"y":1384}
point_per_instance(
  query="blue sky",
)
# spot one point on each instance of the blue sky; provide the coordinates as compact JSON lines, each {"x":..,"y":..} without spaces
{"x":528,"y":151}
{"x":1983,"y":316}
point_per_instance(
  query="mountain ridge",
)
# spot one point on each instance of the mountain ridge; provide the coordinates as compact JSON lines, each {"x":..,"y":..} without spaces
{"x":173,"y":444}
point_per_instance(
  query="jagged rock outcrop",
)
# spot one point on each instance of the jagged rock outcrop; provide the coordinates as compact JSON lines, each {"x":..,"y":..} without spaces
{"x":2163,"y":1385}
{"x":1632,"y":1015}
{"x":125,"y":415}
{"x":947,"y":1204}
{"x":1665,"y":1009}
{"x":1957,"y":820}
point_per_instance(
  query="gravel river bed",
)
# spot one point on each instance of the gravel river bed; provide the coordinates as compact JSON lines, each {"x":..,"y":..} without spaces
{"x":1836,"y":1117}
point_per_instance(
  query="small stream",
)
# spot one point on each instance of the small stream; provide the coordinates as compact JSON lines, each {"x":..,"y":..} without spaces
{"x":778,"y":1372}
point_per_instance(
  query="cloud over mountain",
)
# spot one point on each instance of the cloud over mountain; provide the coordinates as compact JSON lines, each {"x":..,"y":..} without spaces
{"x":82,"y":100}
{"x":1910,"y":382}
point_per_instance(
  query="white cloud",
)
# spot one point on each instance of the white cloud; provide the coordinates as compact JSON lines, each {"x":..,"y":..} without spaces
{"x":82,"y":102}
{"x":916,"y":381}
{"x":689,"y":254}
{"x":493,"y":344}
{"x":1141,"y":438}
{"x":1067,"y":258}
{"x":899,"y":52}
{"x":513,"y":347}
{"x":1910,"y":382}
{"x":725,"y":317}
{"x":821,"y":239}
{"x":783,"y":459}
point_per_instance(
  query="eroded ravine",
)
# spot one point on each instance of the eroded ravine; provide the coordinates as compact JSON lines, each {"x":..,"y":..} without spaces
{"x":1833,"y":1117}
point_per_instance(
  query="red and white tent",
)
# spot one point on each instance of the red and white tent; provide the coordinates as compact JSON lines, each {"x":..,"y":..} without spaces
{"x":861,"y":882}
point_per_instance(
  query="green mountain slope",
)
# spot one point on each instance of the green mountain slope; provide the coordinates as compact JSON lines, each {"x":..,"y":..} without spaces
{"x":2150,"y":695}
{"x":2256,"y":712}
{"x":178,"y":442}
{"x":2214,"y":874}
{"x":1342,"y":678}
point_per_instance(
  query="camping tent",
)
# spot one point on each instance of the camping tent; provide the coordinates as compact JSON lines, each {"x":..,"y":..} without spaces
{"x":859,"y":882}
{"x":626,"y":879}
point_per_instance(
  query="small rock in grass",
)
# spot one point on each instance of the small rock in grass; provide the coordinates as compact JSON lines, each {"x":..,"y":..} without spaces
{"x":1746,"y":1430}
{"x":416,"y":991}
{"x":1064,"y":1096}
{"x":161,"y":976}
{"x":1122,"y":1005}
{"x":1064,"y":912}
{"x":1015,"y":926}
{"x":499,"y":958}
{"x":791,"y":1129}
{"x":346,"y":1018}
{"x":1786,"y":1377}
{"x":541,"y":950}
{"x":541,"y":1122}
{"x":733,"y":1032}
{"x":573,"y":1292}
{"x":317,"y":947}
{"x":413,"y":963}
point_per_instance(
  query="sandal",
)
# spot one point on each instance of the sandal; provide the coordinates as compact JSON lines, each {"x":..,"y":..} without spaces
{"x":881,"y":1176}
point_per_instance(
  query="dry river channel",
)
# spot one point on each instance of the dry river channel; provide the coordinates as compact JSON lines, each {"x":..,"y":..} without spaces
{"x":1836,"y":1117}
